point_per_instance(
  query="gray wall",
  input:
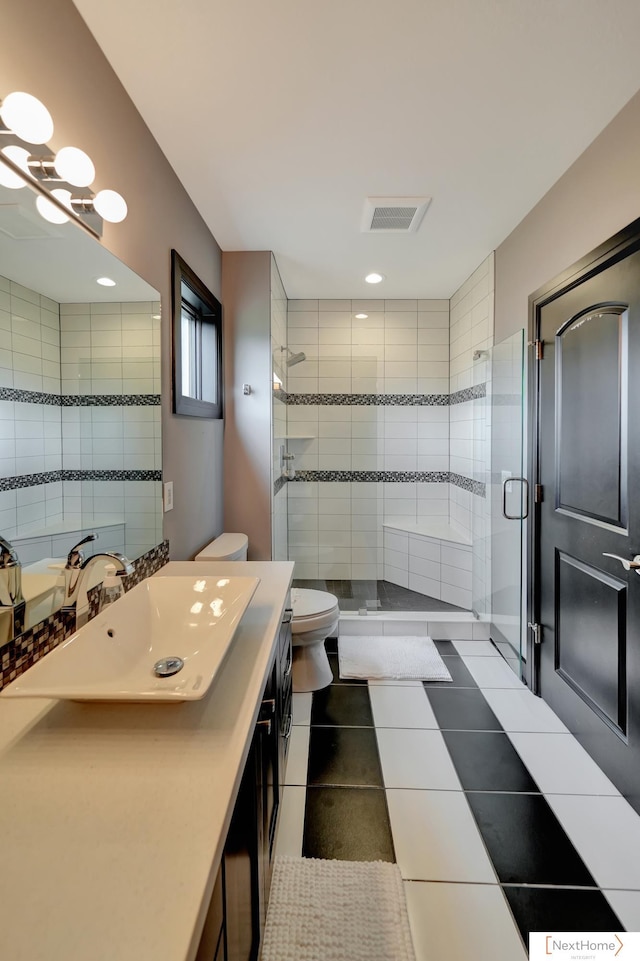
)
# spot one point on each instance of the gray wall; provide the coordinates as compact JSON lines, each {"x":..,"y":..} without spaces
{"x":597,"y":196}
{"x":49,"y":52}
{"x":246,"y":290}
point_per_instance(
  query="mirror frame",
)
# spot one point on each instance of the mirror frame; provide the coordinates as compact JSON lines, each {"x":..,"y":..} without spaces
{"x":187,"y":287}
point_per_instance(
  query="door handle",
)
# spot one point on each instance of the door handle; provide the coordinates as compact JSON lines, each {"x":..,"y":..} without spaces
{"x":515,"y":517}
{"x":632,"y":565}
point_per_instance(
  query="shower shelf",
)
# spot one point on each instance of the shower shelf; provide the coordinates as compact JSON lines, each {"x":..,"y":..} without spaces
{"x":296,"y":437}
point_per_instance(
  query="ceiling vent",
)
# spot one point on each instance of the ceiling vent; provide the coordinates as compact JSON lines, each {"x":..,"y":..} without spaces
{"x":393,"y":215}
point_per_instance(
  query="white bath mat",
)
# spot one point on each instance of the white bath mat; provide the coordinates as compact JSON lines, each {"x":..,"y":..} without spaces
{"x":336,"y":911}
{"x":386,"y":656}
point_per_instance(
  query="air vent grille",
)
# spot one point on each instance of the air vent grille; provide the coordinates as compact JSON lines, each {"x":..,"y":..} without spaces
{"x":393,"y":214}
{"x":392,"y":218}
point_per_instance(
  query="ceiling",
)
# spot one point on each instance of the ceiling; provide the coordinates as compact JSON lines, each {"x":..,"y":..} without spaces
{"x":280,"y":118}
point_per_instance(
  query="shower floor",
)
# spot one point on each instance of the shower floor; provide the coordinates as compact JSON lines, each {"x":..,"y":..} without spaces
{"x":376,"y":595}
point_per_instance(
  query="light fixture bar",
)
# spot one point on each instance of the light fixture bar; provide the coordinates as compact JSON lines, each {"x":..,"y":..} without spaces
{"x":72,"y":214}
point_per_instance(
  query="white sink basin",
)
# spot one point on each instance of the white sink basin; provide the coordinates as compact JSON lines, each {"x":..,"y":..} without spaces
{"x":113,"y":657}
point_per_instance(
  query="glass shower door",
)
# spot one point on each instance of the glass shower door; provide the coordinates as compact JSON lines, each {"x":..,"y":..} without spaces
{"x":508,"y":493}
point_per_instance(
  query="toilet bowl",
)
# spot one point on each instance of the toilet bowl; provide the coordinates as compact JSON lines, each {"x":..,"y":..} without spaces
{"x":315,"y":618}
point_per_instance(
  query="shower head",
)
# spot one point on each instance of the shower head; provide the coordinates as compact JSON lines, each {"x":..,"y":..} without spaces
{"x":296,"y":358}
{"x":293,"y":358}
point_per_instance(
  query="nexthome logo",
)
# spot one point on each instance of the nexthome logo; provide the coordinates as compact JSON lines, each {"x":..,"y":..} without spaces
{"x":584,"y":946}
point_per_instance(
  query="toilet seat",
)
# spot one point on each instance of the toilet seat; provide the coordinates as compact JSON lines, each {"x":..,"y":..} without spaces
{"x":312,"y":610}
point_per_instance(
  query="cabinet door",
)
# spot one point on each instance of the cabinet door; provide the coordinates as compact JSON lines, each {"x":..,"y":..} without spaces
{"x":241,"y":868}
{"x":269,"y":780}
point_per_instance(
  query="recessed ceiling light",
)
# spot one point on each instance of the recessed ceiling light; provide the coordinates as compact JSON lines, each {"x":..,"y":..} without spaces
{"x":361,"y":316}
{"x":374,"y":278}
{"x":106,"y":282}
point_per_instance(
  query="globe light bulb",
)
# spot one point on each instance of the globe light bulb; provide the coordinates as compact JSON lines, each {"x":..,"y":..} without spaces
{"x":20,"y":157}
{"x":110,"y":205}
{"x":75,"y":166}
{"x":49,"y":211}
{"x":27,"y":117}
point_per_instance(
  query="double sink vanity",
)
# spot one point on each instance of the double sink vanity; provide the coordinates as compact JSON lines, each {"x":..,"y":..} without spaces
{"x":139,"y":798}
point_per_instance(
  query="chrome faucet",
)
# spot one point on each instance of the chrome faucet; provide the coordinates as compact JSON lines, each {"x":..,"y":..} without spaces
{"x":77,"y":571}
{"x":12,"y":603}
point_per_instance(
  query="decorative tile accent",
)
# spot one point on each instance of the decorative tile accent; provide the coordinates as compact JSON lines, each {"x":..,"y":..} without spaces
{"x":468,"y":393}
{"x":278,"y":484}
{"x":109,"y":400}
{"x":79,"y":400}
{"x":385,"y":400}
{"x":111,"y":475}
{"x":29,"y":396}
{"x":370,"y":400}
{"x":18,"y":655}
{"x":391,"y":476}
{"x":369,"y":476}
{"x":53,"y":476}
{"x":30,"y":480}
{"x":468,"y":484}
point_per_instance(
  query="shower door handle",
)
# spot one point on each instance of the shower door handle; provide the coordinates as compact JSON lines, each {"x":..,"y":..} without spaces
{"x":515,"y":517}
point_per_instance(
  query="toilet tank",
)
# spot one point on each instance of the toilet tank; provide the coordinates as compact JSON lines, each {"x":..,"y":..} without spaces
{"x":226,"y":547}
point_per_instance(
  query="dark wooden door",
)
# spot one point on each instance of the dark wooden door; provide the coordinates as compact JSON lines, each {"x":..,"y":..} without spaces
{"x":589,"y":468}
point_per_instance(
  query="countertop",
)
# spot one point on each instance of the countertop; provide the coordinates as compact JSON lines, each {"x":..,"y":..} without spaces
{"x":113,"y":816}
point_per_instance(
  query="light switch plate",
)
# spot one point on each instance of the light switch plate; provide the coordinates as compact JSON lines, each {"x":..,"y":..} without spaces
{"x":167,"y":496}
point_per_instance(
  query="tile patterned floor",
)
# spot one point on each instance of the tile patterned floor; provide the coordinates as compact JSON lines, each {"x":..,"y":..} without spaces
{"x":498,"y":819}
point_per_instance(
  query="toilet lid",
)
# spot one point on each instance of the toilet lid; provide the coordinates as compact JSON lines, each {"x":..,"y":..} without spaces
{"x":307,"y":603}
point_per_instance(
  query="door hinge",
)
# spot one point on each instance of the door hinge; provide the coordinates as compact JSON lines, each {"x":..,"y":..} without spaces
{"x":538,"y":494}
{"x":539,"y":348}
{"x":537,"y":632}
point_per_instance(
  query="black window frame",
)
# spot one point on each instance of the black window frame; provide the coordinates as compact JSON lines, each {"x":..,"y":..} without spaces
{"x":188,"y":291}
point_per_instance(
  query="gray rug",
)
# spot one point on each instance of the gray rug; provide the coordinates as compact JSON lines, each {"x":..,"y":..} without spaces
{"x":336,"y":911}
{"x":385,"y":656}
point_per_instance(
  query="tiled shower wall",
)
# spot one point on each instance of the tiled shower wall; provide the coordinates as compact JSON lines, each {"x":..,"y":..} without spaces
{"x":472,"y":311}
{"x":106,"y":350}
{"x":279,"y":414}
{"x":398,"y":352}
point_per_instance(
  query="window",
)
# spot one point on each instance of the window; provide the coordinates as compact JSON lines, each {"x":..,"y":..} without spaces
{"x":197,"y":344}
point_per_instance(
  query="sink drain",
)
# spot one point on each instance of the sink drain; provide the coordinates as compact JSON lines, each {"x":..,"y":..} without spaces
{"x":168,"y":666}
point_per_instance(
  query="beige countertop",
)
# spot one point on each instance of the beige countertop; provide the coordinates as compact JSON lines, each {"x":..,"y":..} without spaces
{"x":113,"y":816}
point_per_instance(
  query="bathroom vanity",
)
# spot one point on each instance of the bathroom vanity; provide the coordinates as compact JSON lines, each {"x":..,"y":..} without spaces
{"x":143,"y":832}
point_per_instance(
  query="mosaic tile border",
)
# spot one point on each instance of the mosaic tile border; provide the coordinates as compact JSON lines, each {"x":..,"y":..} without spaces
{"x":79,"y":400}
{"x":21,"y":653}
{"x":390,"y":477}
{"x":468,"y":393}
{"x":369,"y":400}
{"x":54,"y":476}
{"x":386,"y":400}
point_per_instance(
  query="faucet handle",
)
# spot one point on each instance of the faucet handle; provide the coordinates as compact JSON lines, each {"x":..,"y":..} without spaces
{"x":8,"y":556}
{"x":75,"y":557}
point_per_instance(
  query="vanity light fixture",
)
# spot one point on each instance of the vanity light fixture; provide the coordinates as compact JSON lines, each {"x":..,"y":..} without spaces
{"x":27,"y":117}
{"x":374,"y":278}
{"x":106,"y":282}
{"x":20,"y":157}
{"x":361,"y":316}
{"x":53,"y":212}
{"x":24,"y":120}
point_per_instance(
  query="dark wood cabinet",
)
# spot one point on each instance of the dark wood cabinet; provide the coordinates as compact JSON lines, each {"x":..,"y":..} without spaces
{"x":235,"y":921}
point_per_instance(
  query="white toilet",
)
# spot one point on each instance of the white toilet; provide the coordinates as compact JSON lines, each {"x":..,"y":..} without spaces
{"x":315,"y":618}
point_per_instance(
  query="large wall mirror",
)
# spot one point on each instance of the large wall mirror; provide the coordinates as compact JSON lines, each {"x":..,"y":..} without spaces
{"x":80,"y":444}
